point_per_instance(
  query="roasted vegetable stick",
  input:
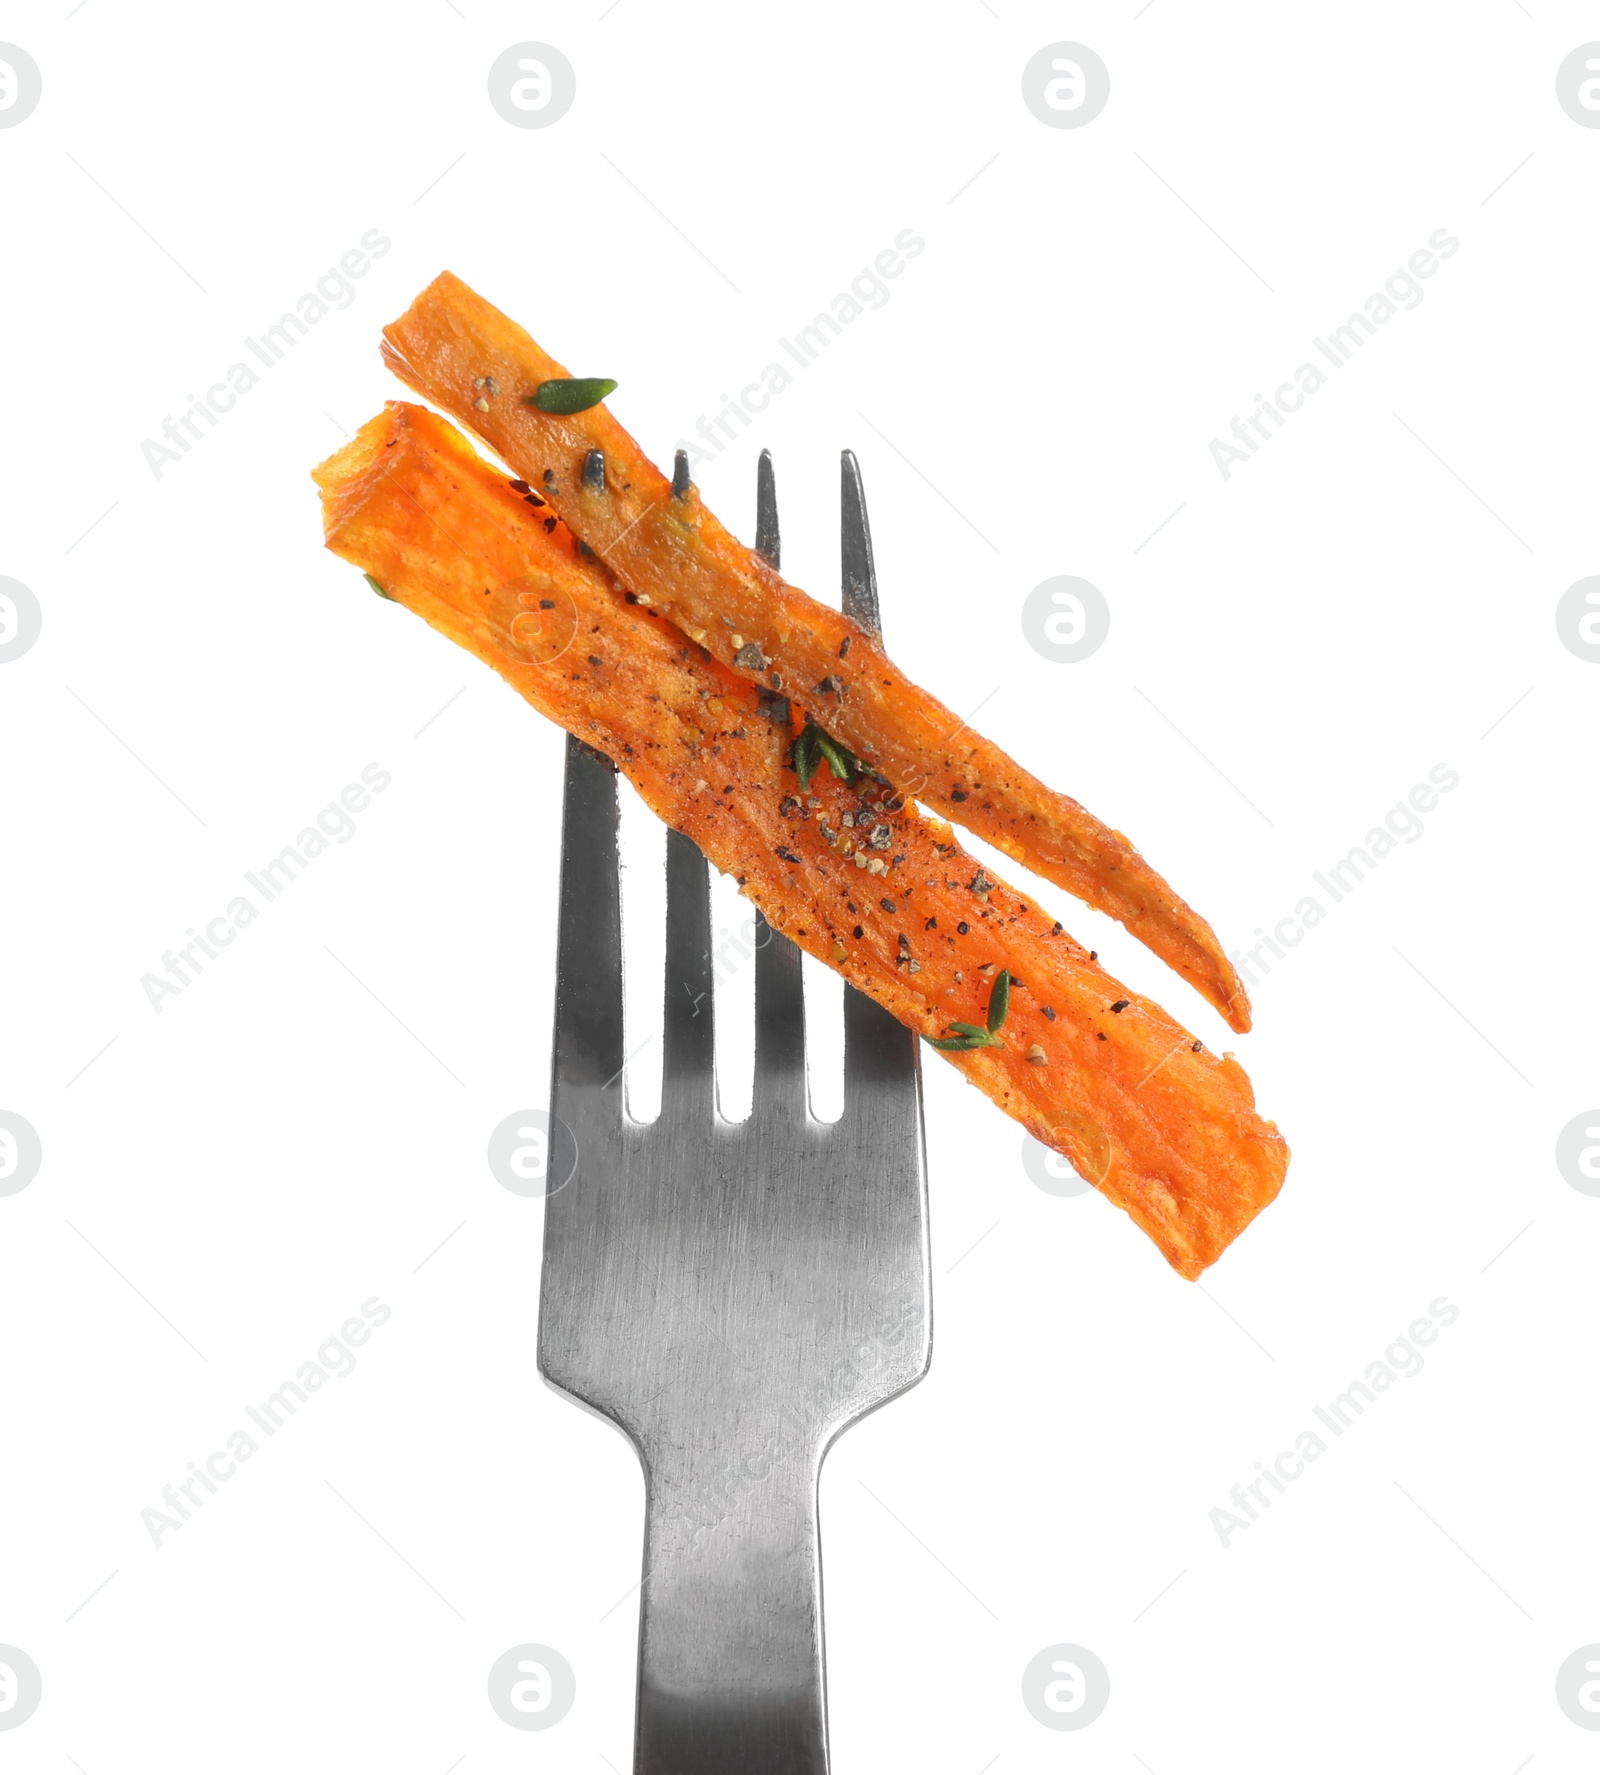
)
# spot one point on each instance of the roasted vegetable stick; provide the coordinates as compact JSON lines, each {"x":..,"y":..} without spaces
{"x":460,"y":352}
{"x":856,"y":875}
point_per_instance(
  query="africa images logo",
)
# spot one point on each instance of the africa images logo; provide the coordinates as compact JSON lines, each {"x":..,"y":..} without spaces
{"x":1402,"y":289}
{"x":1402,"y":1360}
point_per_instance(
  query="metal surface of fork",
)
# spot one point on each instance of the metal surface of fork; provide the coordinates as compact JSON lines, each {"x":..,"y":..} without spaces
{"x":730,"y":1295}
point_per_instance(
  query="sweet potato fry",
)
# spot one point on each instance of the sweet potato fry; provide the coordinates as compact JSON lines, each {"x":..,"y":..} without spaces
{"x":460,"y":352}
{"x":858,"y":876}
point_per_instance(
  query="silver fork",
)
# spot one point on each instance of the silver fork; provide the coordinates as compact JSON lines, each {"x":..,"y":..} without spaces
{"x":730,"y":1295}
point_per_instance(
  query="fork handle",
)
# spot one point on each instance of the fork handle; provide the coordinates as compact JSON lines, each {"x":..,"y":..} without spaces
{"x":730,"y":1638}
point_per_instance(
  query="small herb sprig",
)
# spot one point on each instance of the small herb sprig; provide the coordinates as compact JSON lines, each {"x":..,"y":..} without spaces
{"x":968,"y":1035}
{"x":570,"y":394}
{"x":814,"y":747}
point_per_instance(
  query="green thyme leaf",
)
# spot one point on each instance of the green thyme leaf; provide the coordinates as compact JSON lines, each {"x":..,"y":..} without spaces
{"x":970,"y":1037}
{"x":805,"y":756}
{"x":814,"y":746}
{"x":999,"y":1001}
{"x":570,"y":394}
{"x":844,"y":765}
{"x":376,"y":587}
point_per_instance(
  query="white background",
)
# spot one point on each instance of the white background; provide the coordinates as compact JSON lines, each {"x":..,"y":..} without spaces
{"x":1368,"y":597}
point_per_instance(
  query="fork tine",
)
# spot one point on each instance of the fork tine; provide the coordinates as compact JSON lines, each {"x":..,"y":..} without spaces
{"x":588,"y":1022}
{"x":768,"y":541}
{"x":780,"y":1070}
{"x":780,"y":1073}
{"x":859,"y":574}
{"x":688,"y":1031}
{"x":879,"y":1054}
{"x":882,"y":1060}
{"x":689,"y":1062}
{"x":769,"y":545}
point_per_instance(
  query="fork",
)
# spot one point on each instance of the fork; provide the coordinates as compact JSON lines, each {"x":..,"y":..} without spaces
{"x":731,"y":1295}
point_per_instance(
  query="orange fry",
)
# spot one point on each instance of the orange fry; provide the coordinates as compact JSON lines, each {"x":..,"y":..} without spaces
{"x":460,"y":352}
{"x":857,"y":876}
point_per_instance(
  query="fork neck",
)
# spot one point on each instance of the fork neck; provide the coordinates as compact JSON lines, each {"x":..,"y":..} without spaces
{"x":730,"y":1649}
